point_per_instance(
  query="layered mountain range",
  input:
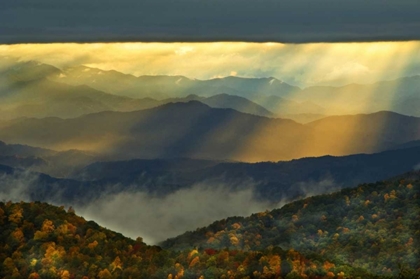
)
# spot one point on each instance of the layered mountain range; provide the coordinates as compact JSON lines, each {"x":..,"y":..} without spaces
{"x":33,"y":86}
{"x":107,"y":143}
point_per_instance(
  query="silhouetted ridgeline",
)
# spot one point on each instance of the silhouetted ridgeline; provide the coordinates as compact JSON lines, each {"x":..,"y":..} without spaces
{"x":195,"y":130}
{"x":282,"y":181}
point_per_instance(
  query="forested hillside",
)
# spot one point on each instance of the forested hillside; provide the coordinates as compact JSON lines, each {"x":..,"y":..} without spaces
{"x":374,"y":227}
{"x":39,"y":240}
{"x":370,"y":231}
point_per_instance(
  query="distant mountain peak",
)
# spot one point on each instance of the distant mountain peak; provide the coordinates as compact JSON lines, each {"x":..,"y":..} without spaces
{"x":183,"y":105}
{"x":192,"y":97}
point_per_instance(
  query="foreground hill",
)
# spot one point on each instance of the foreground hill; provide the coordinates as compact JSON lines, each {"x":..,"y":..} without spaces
{"x":195,"y":130}
{"x":43,"y":241}
{"x":373,"y":226}
{"x":38,"y":240}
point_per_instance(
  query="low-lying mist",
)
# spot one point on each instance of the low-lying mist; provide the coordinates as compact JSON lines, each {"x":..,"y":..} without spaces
{"x":158,"y":217}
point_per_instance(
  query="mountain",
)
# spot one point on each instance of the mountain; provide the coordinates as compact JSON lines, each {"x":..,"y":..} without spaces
{"x":373,"y":226}
{"x":13,"y":71}
{"x":271,"y":93}
{"x":39,"y":240}
{"x":58,"y":164}
{"x":173,"y":130}
{"x":33,"y":89}
{"x":23,"y":162}
{"x":282,"y":106}
{"x":44,"y":98}
{"x":409,"y":106}
{"x":409,"y":144}
{"x":273,"y":181}
{"x":383,"y":128}
{"x":20,"y":150}
{"x":225,"y":101}
{"x":399,"y":95}
{"x":195,"y":130}
{"x":161,"y":87}
{"x":303,"y":118}
{"x":44,"y":241}
{"x":156,"y":87}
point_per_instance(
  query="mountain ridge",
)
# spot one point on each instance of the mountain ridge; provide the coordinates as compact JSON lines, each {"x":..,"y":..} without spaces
{"x":182,"y":130}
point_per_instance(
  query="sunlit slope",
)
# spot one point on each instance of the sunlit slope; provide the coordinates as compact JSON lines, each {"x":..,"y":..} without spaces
{"x":361,"y":133}
{"x":197,"y":131}
{"x":374,"y":226}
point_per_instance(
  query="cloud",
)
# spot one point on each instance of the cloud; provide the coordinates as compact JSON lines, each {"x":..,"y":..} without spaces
{"x":216,"y":20}
{"x":322,"y":186}
{"x":347,"y":71}
{"x":158,"y":218}
{"x":154,"y":218}
{"x":15,"y":188}
{"x":417,"y":167}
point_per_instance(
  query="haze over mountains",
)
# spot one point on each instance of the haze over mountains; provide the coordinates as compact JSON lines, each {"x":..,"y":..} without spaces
{"x":110,"y":192}
{"x":123,"y":150}
{"x":197,"y":131}
{"x":353,"y":98}
{"x":32,"y":92}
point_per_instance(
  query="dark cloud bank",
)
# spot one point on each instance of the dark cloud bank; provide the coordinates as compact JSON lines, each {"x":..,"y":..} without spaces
{"x":293,"y":21}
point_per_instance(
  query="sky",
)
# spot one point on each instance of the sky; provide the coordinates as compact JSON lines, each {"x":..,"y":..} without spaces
{"x":288,"y":21}
{"x":297,"y":64}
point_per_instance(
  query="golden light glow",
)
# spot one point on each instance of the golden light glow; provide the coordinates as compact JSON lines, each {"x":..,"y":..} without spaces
{"x":304,"y":65}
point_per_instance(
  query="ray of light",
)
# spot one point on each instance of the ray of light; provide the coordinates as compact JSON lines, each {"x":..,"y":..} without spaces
{"x":306,"y":64}
{"x":303,"y":65}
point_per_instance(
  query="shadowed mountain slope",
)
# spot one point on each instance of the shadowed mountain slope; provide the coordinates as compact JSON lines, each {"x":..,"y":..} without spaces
{"x":195,"y":130}
{"x":273,"y":181}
